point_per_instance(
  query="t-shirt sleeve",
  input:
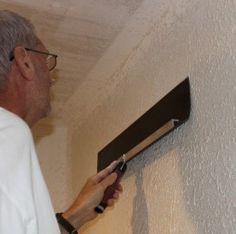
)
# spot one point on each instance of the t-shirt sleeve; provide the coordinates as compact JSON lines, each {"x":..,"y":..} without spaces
{"x":25,"y":205}
{"x":11,"y":220}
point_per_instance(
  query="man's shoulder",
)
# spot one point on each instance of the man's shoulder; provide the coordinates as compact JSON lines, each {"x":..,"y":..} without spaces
{"x":16,"y":142}
{"x":16,"y":151}
{"x":14,"y":126}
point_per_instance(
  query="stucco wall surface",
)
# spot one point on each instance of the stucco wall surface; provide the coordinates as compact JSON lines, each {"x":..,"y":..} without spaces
{"x":51,"y":142}
{"x":185,"y":183}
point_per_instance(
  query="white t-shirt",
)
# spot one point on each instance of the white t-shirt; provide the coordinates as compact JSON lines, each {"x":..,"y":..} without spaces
{"x":25,"y":206}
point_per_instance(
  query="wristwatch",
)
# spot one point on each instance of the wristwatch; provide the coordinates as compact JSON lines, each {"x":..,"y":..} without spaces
{"x":66,"y":224}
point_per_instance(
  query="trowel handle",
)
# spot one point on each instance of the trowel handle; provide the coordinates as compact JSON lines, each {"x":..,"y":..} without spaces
{"x":110,"y":190}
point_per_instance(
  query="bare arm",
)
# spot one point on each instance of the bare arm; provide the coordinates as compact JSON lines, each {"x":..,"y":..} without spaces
{"x":82,"y":209}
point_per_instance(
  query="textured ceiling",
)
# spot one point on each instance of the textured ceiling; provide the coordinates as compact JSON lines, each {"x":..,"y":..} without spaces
{"x":79,"y":31}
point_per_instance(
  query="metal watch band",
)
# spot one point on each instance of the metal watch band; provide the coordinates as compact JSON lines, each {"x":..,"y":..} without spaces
{"x":66,"y":224}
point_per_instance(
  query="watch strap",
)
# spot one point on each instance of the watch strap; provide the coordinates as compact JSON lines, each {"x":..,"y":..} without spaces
{"x":66,"y":224}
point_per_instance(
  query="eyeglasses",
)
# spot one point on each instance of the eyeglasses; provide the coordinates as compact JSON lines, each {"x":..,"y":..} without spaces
{"x":51,"y":58}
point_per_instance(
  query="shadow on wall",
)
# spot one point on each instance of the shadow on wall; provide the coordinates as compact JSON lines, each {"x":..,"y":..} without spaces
{"x":42,"y":129}
{"x":140,"y":216}
{"x":140,"y":211}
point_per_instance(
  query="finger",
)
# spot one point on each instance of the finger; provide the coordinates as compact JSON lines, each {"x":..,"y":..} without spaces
{"x":109,"y":180}
{"x":113,"y":165}
{"x":101,"y":175}
{"x":119,"y":188}
{"x":110,"y":202}
{"x":105,"y":172}
{"x":116,"y":195}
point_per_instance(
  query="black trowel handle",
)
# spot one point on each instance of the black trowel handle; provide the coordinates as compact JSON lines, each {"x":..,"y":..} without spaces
{"x":110,"y":190}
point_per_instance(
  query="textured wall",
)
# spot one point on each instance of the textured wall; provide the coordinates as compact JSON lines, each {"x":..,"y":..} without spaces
{"x":51,"y":142}
{"x":186,"y":182}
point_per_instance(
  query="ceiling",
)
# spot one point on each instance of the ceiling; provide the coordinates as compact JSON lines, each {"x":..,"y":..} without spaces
{"x":79,"y":31}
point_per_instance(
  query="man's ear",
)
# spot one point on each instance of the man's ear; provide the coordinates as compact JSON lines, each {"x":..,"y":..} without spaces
{"x":24,"y":62}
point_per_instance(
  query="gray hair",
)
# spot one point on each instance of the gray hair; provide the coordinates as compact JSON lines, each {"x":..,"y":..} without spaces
{"x":15,"y":30}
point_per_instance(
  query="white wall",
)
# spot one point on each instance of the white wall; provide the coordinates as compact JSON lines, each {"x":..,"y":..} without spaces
{"x":51,"y":138}
{"x":185,"y":183}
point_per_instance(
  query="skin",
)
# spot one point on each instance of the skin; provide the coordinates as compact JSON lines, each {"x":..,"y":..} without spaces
{"x":27,"y":94}
{"x":27,"y":88}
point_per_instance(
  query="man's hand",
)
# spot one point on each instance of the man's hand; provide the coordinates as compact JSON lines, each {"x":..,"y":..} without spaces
{"x":82,"y":210}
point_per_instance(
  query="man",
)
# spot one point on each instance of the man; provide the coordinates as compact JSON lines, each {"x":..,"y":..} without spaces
{"x":25,"y":206}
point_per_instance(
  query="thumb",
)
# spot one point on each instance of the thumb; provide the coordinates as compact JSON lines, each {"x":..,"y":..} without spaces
{"x":109,"y":180}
